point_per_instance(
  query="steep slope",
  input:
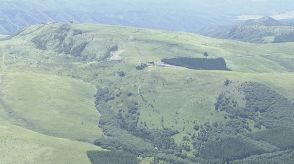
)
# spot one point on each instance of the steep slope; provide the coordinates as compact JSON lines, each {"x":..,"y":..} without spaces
{"x":146,"y":107}
{"x":263,"y":30}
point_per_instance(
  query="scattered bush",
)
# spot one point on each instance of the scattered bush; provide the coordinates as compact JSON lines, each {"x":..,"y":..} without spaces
{"x":141,"y":66}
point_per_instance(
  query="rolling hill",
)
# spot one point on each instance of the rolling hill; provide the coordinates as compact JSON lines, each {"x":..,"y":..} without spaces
{"x":262,"y":30}
{"x":73,"y":86}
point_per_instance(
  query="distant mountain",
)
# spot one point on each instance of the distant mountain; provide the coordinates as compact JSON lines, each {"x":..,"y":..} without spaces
{"x":288,"y":21}
{"x":16,"y":14}
{"x":184,"y":15}
{"x":263,"y":30}
{"x":264,"y":21}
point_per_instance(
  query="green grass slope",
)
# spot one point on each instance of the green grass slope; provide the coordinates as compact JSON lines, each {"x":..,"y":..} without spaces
{"x":52,"y":105}
{"x":20,"y":146}
{"x":46,"y":118}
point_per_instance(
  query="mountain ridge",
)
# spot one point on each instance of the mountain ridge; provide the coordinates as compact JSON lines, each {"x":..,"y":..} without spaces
{"x":16,"y":14}
{"x":264,"y":21}
{"x":262,"y":30}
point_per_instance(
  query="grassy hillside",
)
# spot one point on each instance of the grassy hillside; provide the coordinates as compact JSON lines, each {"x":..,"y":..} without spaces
{"x":51,"y":73}
{"x":20,"y":145}
{"x":46,"y":118}
{"x":52,"y":105}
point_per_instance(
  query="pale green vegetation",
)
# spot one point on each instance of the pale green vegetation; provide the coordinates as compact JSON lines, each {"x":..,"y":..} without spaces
{"x":50,"y":83}
{"x":51,"y":104}
{"x":20,"y":145}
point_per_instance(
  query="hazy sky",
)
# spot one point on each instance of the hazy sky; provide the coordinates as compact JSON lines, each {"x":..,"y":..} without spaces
{"x":227,"y":6}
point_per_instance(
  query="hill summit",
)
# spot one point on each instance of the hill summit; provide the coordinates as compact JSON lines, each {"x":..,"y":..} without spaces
{"x":263,"y":30}
{"x":264,"y":21}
